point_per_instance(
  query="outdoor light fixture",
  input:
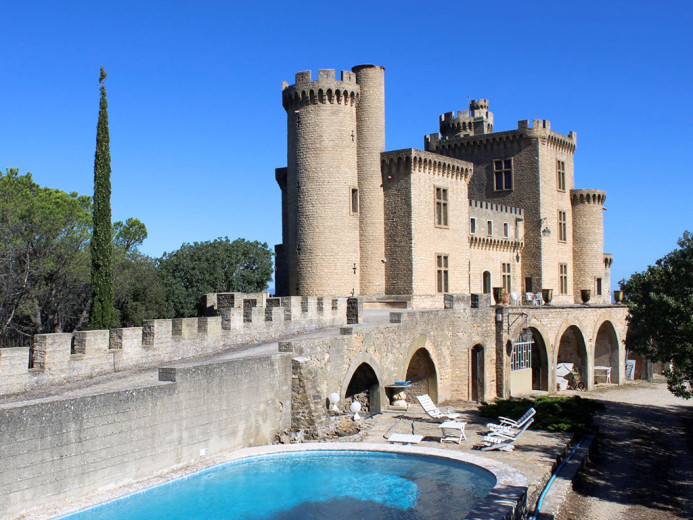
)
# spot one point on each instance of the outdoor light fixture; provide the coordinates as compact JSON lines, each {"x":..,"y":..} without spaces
{"x":334,"y":399}
{"x":356,"y":408}
{"x":546,"y":232}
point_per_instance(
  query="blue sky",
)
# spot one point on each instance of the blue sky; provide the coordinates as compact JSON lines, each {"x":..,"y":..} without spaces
{"x":197,"y":126}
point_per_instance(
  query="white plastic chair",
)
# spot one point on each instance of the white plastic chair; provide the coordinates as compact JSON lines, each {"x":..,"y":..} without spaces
{"x":529,"y":297}
{"x":514,"y":300}
{"x":509,"y":426}
{"x":538,"y":300}
{"x":501,"y":441}
{"x":433,"y":411}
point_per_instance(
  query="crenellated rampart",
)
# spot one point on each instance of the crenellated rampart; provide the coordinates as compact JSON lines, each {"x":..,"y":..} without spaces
{"x":233,"y":319}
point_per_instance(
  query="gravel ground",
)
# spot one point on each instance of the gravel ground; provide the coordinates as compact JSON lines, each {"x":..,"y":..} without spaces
{"x":641,"y":465}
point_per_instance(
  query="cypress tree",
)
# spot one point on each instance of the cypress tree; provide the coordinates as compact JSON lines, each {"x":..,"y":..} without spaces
{"x":102,"y":314}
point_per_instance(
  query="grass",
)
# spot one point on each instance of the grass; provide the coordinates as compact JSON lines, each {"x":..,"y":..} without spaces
{"x":556,"y":414}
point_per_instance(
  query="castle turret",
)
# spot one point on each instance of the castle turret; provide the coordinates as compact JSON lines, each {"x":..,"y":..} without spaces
{"x":370,"y":121}
{"x":321,"y":252}
{"x":478,"y":120}
{"x":588,"y":243}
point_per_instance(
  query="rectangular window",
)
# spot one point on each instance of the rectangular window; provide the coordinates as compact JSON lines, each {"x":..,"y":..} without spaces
{"x":489,"y":228}
{"x":522,"y":355}
{"x":354,"y":200}
{"x":506,"y":277}
{"x":503,"y":174}
{"x":442,"y":273}
{"x":562,"y":227}
{"x":599,"y":286}
{"x":472,"y":225}
{"x":506,"y":230}
{"x":563,"y":275}
{"x":441,"y":207}
{"x":560,"y":175}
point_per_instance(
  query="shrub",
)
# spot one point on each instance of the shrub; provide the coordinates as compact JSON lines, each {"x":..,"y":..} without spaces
{"x":556,"y":414}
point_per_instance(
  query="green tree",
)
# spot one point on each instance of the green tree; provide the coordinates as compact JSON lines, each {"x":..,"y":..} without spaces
{"x":660,"y":303}
{"x":44,"y":233}
{"x":138,"y":293}
{"x":101,"y":315}
{"x":217,"y":266}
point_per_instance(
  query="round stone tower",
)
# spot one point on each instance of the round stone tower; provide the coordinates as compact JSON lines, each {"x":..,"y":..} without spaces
{"x":322,"y":248}
{"x":588,"y":241}
{"x":370,"y":124}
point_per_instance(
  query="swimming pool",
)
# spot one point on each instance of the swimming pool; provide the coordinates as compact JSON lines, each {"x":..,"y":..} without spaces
{"x":312,"y":482}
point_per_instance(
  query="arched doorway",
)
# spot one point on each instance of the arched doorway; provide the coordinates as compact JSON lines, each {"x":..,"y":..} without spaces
{"x":487,"y":282}
{"x":606,"y":352}
{"x":422,"y":374}
{"x":364,"y":388}
{"x":572,"y":349}
{"x":477,"y":373}
{"x":540,"y":362}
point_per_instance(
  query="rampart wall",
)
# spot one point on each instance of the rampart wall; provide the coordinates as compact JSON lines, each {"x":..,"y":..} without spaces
{"x":240,"y":319}
{"x":61,"y":448}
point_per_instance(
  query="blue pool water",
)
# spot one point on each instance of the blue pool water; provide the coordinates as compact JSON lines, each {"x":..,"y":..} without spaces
{"x":311,"y":485}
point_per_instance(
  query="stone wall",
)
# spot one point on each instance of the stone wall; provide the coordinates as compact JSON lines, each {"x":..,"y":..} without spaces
{"x":57,"y":358}
{"x":65,"y":448}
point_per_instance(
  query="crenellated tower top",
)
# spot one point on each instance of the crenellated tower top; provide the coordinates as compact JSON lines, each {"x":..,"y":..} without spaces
{"x":326,"y":89}
{"x":475,"y":121}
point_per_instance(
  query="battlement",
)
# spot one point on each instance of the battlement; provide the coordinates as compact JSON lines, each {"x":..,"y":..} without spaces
{"x":475,"y":121}
{"x":495,"y":225}
{"x":325,"y":90}
{"x":499,"y":208}
{"x":587,"y":196}
{"x":233,"y":319}
{"x":410,"y":160}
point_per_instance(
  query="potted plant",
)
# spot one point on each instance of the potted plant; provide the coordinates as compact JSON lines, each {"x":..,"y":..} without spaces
{"x":585,"y":294}
{"x":546,"y":295}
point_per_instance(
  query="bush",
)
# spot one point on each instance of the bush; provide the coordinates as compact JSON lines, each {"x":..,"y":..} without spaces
{"x":556,"y":414}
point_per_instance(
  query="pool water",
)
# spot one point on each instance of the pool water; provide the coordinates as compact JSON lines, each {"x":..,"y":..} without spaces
{"x":311,"y":485}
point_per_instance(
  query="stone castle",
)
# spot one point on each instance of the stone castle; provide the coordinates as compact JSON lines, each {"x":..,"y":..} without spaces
{"x":429,"y":234}
{"x":476,"y":209}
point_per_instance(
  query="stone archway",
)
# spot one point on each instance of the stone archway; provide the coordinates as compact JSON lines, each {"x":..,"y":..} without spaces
{"x":477,"y":373}
{"x":540,"y":362}
{"x":423,"y":376}
{"x":572,"y":349}
{"x":606,"y":352}
{"x":364,"y":387}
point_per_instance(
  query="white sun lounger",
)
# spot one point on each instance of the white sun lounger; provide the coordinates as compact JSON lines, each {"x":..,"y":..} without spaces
{"x":508,"y":425}
{"x":405,"y":438}
{"x":433,"y":411}
{"x":502,"y":441}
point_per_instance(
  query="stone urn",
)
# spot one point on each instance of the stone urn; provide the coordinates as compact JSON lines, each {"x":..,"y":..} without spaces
{"x":498,"y":295}
{"x":585,"y":294}
{"x":618,"y":296}
{"x":546,"y":295}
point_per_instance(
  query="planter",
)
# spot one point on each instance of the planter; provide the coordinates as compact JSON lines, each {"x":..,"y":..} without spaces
{"x":498,"y":295}
{"x":585,"y":294}
{"x":618,"y":296}
{"x":546,"y":295}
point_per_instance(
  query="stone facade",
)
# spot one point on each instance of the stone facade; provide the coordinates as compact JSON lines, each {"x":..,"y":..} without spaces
{"x":358,"y":220}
